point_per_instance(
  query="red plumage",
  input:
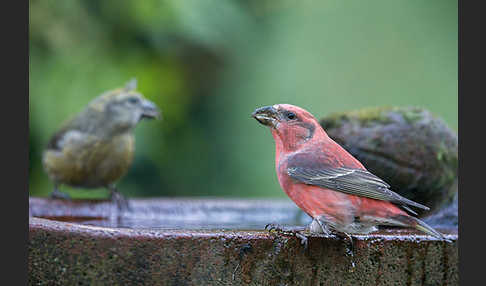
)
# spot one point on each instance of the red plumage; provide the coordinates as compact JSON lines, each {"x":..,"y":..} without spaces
{"x":327,"y":182}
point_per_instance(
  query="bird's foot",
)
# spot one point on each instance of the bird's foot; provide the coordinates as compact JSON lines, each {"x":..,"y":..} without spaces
{"x":120,"y":200}
{"x":295,"y":231}
{"x":56,"y":194}
{"x":278,"y":228}
{"x":274,"y":227}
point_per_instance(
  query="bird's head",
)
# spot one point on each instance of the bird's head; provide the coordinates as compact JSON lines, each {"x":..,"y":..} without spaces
{"x":123,"y":108}
{"x":290,"y":125}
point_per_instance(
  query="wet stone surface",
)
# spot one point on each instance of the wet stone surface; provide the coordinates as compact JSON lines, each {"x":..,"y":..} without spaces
{"x":90,"y":243}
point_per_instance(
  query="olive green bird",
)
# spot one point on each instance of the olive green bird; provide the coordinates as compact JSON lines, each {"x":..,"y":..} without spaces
{"x":95,"y":148}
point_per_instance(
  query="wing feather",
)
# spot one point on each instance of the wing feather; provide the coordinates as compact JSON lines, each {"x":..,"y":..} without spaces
{"x":351,"y":181}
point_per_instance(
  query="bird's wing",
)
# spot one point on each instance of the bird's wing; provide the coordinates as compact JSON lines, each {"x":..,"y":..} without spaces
{"x":352,"y":181}
{"x":76,"y":129}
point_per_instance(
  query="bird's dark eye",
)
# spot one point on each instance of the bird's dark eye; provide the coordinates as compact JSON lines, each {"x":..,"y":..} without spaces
{"x":291,"y":115}
{"x":133,"y":100}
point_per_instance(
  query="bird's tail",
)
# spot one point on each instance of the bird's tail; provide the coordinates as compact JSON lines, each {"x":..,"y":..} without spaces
{"x":422,"y":226}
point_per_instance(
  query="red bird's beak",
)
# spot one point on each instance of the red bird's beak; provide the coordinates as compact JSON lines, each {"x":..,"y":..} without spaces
{"x":266,"y":115}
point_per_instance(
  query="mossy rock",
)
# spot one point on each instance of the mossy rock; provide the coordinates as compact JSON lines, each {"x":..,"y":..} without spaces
{"x":412,"y":150}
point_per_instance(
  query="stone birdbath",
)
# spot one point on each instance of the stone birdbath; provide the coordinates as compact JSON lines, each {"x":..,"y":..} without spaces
{"x":219,"y":242}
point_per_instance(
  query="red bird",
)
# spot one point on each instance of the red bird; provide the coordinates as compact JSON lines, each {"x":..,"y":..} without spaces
{"x":327,"y":182}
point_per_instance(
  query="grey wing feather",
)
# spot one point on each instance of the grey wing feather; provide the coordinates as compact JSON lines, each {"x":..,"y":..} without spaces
{"x":85,"y":122}
{"x":351,"y":181}
{"x":408,"y":209}
{"x":54,"y":142}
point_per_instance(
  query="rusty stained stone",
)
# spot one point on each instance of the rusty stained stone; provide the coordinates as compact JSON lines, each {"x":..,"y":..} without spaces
{"x":62,"y":253}
{"x":412,"y":150}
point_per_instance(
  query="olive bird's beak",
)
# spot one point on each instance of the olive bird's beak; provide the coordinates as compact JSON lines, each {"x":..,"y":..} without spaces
{"x":150,"y":110}
{"x":266,"y":115}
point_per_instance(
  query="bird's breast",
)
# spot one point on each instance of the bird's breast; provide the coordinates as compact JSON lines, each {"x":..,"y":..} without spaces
{"x":115,"y":159}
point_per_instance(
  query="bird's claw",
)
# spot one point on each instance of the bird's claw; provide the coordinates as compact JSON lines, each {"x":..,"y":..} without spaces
{"x":271,"y":227}
{"x":303,"y":239}
{"x":274,"y":227}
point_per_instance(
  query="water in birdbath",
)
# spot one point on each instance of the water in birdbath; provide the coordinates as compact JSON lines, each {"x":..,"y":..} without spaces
{"x":186,"y":214}
{"x":221,"y":214}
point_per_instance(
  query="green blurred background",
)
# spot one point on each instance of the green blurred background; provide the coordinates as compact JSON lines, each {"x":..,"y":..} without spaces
{"x":209,"y":63}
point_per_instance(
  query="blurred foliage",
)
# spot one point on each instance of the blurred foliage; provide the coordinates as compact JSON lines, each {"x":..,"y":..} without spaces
{"x":209,"y":63}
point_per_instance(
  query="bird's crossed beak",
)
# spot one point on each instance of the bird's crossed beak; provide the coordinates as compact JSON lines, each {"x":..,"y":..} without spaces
{"x":266,"y":115}
{"x":150,"y":110}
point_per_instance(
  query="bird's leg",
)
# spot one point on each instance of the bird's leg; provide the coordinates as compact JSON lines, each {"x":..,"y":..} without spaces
{"x":323,"y":227}
{"x":118,"y":198}
{"x":318,"y":225}
{"x":56,"y":194}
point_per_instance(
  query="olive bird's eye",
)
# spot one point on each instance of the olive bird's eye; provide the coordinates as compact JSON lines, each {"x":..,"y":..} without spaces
{"x":133,"y":100}
{"x":291,"y":115}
